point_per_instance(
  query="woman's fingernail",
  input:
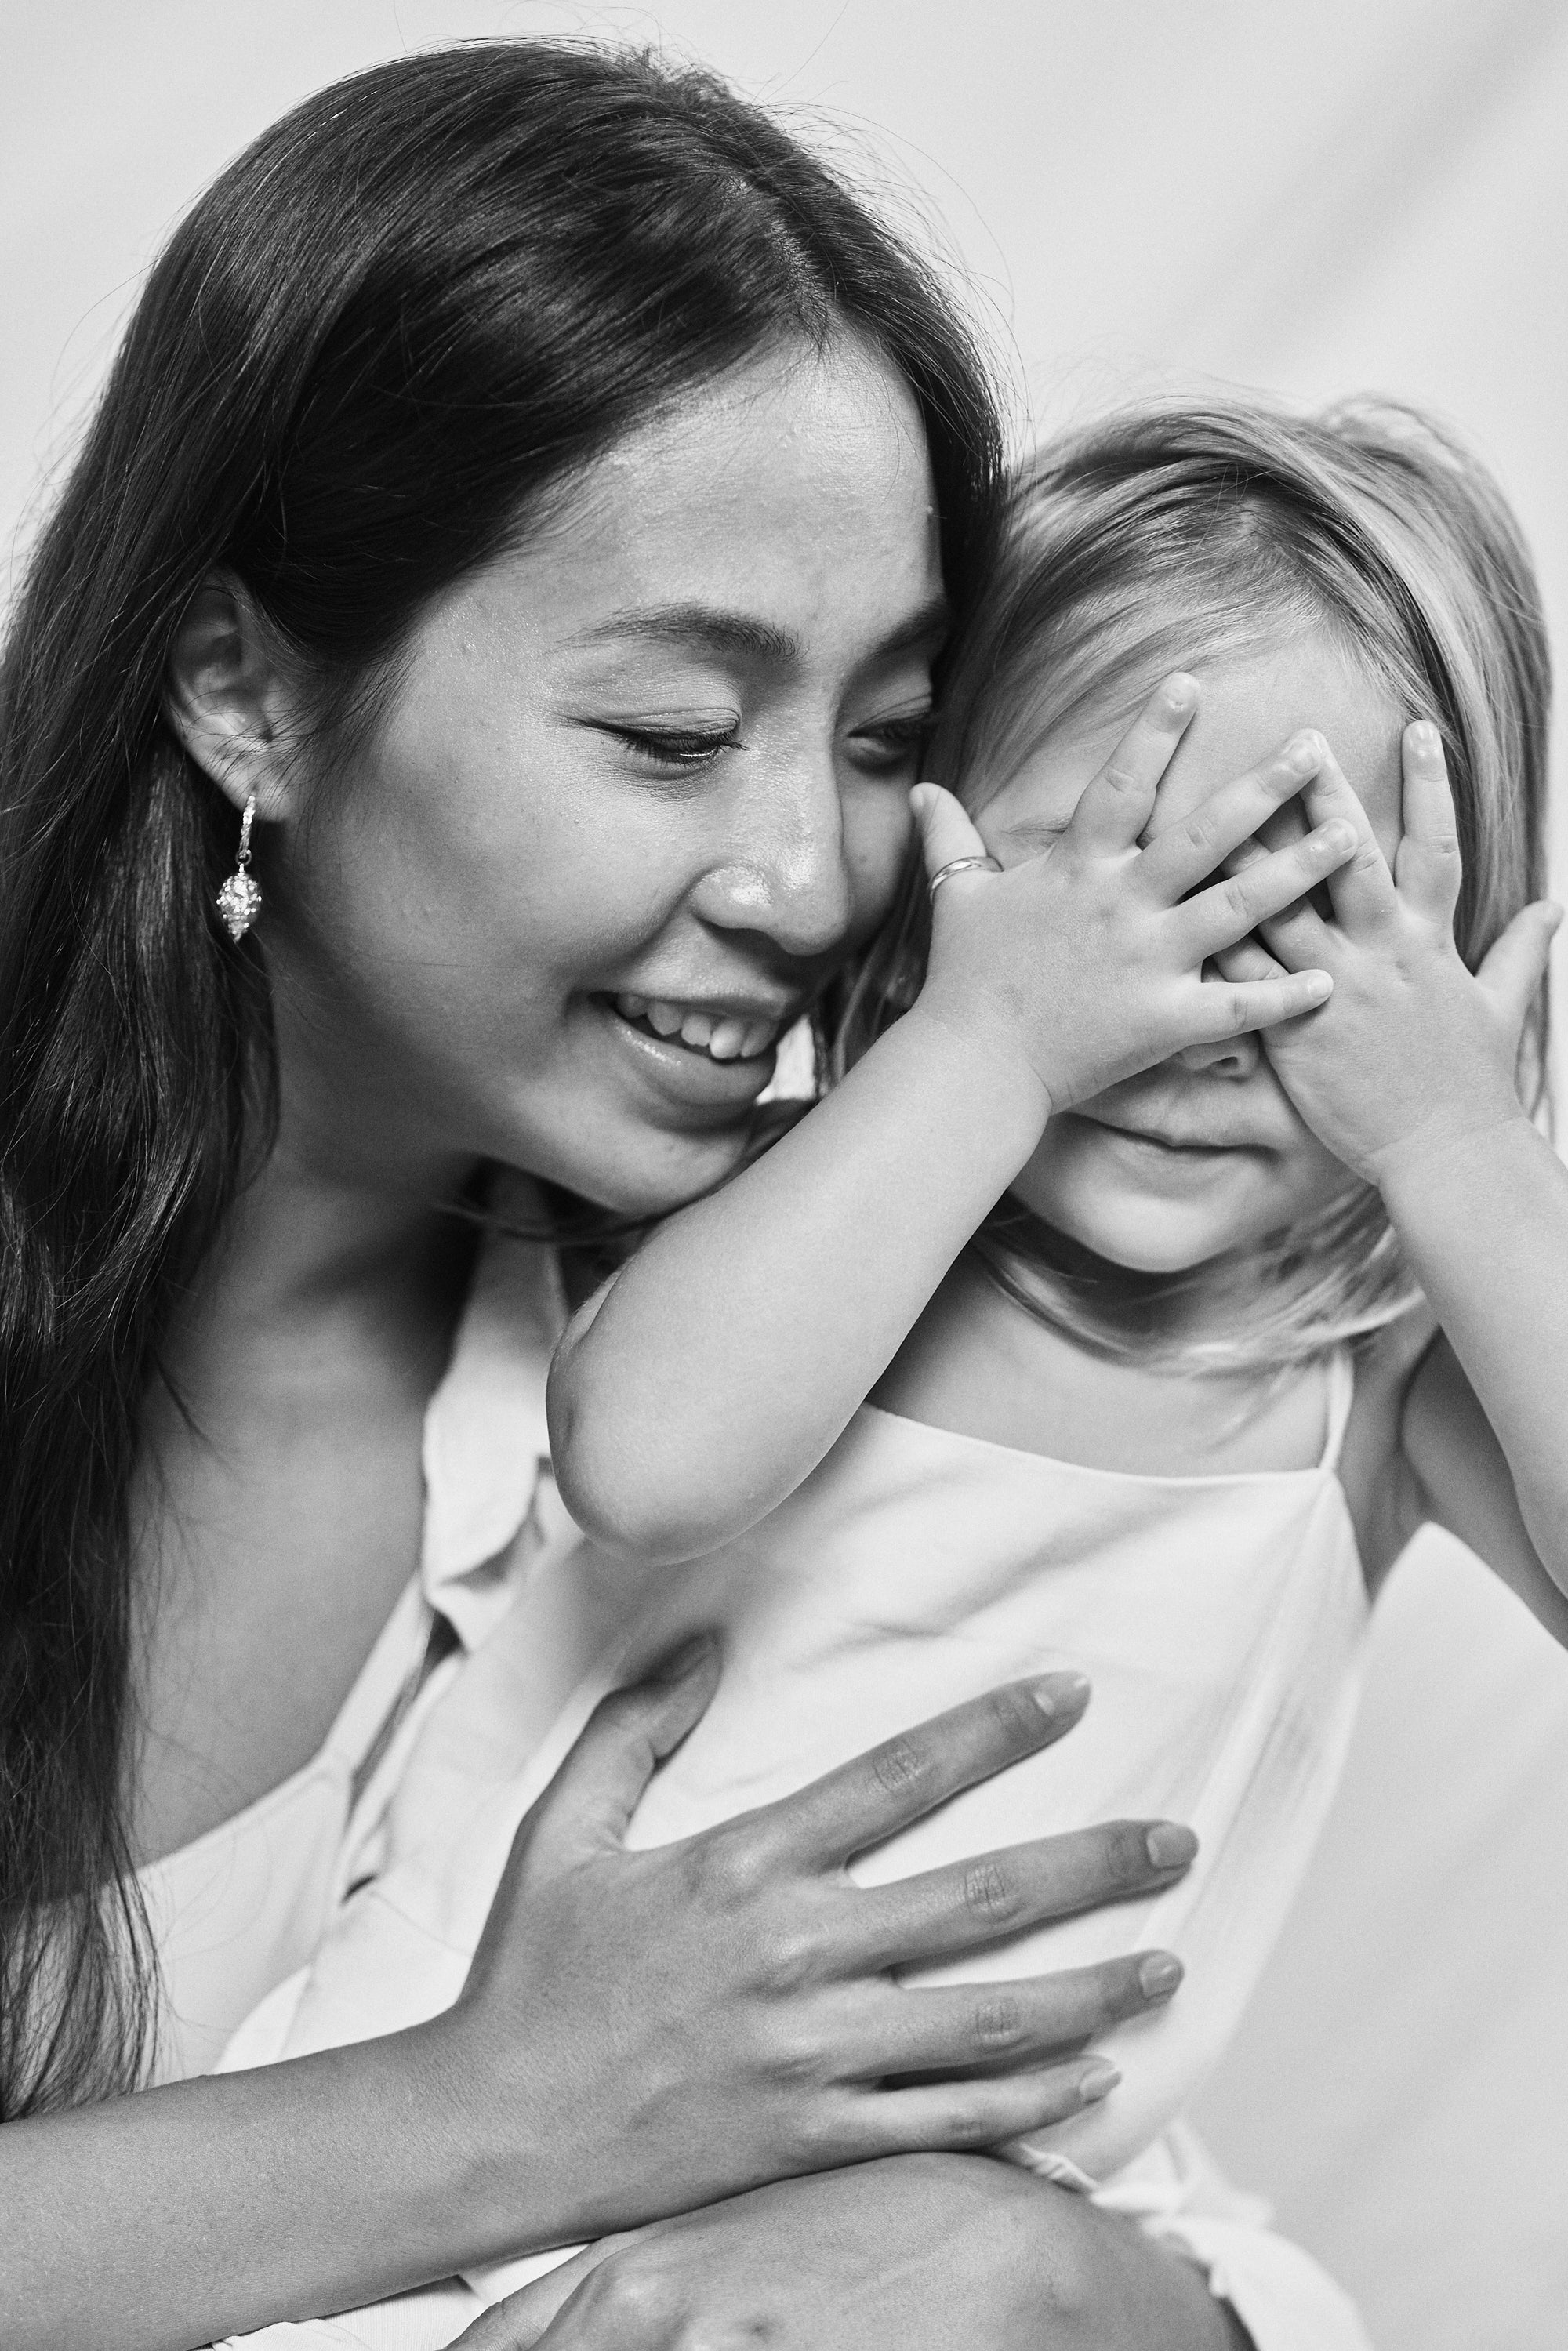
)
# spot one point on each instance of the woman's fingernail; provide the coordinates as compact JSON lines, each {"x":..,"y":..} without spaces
{"x":1097,"y":2081}
{"x":1057,"y":1694}
{"x":1170,"y":1846}
{"x":1159,"y":1975}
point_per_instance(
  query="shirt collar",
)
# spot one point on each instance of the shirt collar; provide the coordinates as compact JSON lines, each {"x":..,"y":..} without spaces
{"x":486,"y":1439}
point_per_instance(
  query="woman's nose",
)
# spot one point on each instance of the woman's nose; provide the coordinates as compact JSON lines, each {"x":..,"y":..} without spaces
{"x":784,"y":871}
{"x":1227,"y":1057}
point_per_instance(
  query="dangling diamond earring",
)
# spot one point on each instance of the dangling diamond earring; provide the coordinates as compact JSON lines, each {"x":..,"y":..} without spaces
{"x":239,"y":900}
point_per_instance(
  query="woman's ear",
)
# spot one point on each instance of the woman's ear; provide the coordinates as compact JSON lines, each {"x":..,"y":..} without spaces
{"x":228,"y":699}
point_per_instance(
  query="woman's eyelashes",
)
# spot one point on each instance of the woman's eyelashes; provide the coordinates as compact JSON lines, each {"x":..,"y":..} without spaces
{"x":676,"y":749}
{"x":883,"y":746}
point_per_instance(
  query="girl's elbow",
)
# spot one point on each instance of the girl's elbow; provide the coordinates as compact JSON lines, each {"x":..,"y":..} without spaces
{"x":624,"y":1511}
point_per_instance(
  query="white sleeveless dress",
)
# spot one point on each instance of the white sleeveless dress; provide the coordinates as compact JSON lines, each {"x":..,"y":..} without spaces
{"x":1220,"y":1619}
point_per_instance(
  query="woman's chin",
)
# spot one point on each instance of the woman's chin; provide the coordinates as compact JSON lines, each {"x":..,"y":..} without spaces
{"x":642,"y":1172}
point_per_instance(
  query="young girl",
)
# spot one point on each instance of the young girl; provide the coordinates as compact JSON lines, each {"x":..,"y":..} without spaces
{"x":1102,"y":1284}
{"x":1120,"y":1429}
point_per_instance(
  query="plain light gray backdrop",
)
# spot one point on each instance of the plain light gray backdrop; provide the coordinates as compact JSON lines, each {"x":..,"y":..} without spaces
{"x":1364,"y":195}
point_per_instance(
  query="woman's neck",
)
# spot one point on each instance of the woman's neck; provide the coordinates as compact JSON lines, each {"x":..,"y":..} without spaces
{"x":279,"y":1504}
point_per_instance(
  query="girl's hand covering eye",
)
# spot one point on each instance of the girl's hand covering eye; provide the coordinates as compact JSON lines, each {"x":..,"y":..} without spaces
{"x":1414,"y":1051}
{"x":1086,"y":962}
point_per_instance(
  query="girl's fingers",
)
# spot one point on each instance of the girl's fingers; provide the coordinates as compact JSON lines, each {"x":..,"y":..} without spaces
{"x":864,"y":1800}
{"x":1216,"y":1009}
{"x":1428,"y":867}
{"x":977,"y":2029}
{"x":946,"y":831}
{"x":961,"y":1908}
{"x":1119,"y":800}
{"x":1181,"y":855}
{"x":1361,"y":891}
{"x":1260,"y":887}
{"x":1248,"y":959}
{"x":1515,"y":964}
{"x":593,"y":1795}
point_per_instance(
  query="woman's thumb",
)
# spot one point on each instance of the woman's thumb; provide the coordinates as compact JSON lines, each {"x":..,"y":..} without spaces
{"x":946,"y":832}
{"x":593,"y":1797}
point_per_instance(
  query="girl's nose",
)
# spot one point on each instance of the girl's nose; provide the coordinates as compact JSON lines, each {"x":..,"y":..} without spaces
{"x":1229,"y":1057}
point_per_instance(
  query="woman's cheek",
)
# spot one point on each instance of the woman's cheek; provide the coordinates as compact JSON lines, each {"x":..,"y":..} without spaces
{"x":878,"y":830}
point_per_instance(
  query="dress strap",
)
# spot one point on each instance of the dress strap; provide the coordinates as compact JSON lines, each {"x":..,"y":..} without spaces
{"x":1342,"y":1395}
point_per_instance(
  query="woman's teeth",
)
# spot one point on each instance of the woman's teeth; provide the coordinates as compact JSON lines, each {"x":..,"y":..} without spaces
{"x":725,"y":1038}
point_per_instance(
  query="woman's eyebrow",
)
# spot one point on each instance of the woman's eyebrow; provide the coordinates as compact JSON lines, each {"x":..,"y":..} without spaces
{"x":710,"y":627}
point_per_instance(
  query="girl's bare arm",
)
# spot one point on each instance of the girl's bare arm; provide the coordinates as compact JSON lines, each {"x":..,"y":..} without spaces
{"x":1409,"y":1074}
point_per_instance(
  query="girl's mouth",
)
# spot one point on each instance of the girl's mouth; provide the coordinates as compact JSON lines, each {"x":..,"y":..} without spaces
{"x":1189,"y":1149}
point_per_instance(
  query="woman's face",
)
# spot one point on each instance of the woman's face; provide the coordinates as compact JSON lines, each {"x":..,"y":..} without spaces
{"x":642,"y":785}
{"x":1203,"y":1154}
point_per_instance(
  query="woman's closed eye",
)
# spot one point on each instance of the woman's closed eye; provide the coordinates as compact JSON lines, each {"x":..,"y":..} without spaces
{"x":676,"y":750}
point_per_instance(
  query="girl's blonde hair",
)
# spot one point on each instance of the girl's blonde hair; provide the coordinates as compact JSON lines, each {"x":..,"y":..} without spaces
{"x":1165,"y":536}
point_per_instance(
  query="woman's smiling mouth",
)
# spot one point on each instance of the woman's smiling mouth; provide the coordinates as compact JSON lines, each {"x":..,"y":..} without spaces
{"x":708,"y":1062}
{"x":722,"y":1034}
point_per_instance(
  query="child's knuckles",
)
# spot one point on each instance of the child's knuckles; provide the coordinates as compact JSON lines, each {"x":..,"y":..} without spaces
{"x":1241,"y":898}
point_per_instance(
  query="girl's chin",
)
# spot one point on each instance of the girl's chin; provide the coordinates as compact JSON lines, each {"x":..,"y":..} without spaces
{"x":1153,"y":1236}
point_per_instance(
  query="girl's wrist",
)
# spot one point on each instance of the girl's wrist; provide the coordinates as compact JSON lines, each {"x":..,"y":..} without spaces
{"x":980,"y":1061}
{"x":1411,"y":1172}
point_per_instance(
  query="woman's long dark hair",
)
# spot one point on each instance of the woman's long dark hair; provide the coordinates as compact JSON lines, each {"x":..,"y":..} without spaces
{"x":421,"y":299}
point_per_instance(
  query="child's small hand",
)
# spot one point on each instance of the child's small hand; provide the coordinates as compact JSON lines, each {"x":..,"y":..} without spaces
{"x":1085,"y":963}
{"x":1414,"y":1049}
